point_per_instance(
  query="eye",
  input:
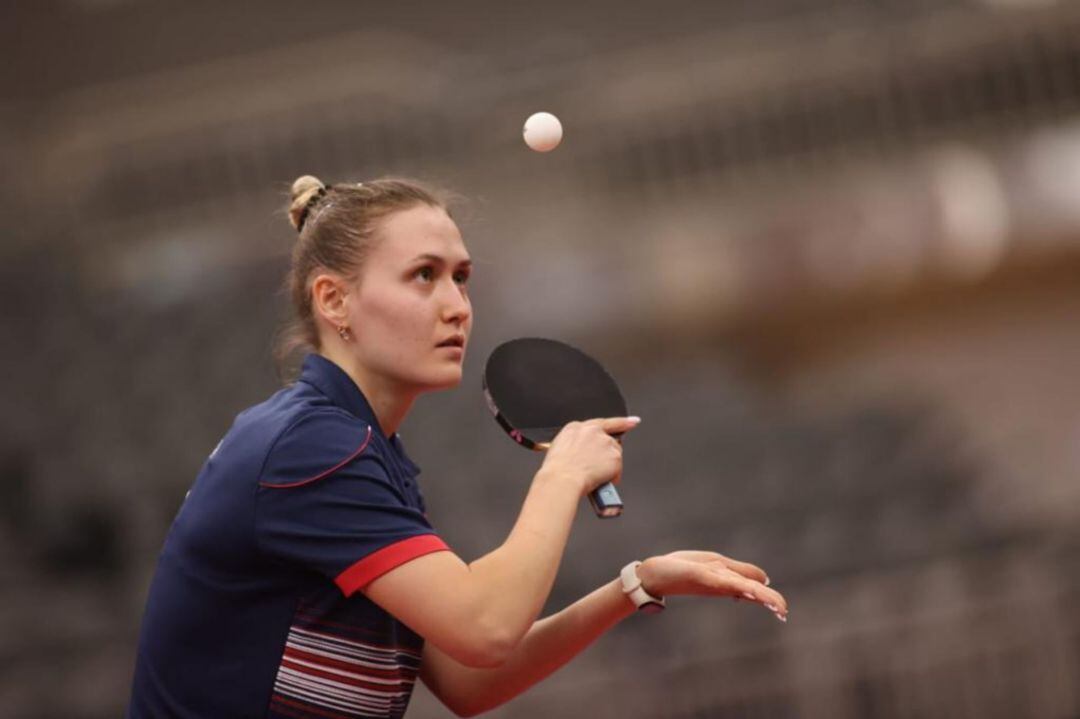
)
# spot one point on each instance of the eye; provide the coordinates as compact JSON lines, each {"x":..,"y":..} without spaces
{"x":425,"y":273}
{"x":462,"y":277}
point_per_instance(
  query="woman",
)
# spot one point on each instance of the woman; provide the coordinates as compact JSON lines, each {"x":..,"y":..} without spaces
{"x":301,"y":577}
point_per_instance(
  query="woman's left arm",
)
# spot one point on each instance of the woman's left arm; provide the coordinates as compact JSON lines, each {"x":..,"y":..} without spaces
{"x":555,"y":640}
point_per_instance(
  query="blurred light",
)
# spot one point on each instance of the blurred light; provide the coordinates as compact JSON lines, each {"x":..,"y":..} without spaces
{"x":172,"y":268}
{"x":1051,"y":177}
{"x":698,"y":274}
{"x":974,"y":211}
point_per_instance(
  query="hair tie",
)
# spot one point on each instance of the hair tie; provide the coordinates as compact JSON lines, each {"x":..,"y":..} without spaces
{"x":319,"y":194}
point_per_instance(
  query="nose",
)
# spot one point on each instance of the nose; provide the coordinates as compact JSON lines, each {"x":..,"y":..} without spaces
{"x":456,"y":308}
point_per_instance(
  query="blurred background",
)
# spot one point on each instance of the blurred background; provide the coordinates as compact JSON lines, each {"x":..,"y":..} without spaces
{"x":830,"y":248}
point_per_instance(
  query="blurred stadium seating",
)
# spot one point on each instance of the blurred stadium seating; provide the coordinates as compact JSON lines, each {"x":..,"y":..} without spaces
{"x":832,"y":249}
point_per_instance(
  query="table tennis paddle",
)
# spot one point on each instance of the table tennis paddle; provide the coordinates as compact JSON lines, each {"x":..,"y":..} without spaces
{"x":536,"y":386}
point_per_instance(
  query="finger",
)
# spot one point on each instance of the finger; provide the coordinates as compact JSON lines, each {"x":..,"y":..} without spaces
{"x":738,"y":585}
{"x":572,"y":425}
{"x":699,"y":555}
{"x":750,"y":571}
{"x":617,"y":425}
{"x":616,"y":475}
{"x":769,"y":598}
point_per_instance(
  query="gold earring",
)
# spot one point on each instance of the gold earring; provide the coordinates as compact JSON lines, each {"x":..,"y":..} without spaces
{"x":344,"y":333}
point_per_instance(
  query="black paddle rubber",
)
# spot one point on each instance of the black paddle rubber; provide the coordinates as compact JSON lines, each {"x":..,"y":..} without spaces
{"x":536,"y":386}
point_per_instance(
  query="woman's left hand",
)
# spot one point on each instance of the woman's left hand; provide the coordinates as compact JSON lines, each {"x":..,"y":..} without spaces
{"x":710,"y":574}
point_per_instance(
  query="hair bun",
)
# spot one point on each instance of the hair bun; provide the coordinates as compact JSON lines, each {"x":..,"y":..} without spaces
{"x":304,"y":188}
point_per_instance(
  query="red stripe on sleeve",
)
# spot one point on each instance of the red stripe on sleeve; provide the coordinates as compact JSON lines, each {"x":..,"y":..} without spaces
{"x":383,"y":560}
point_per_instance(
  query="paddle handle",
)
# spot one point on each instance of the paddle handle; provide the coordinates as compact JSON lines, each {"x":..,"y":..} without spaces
{"x":605,"y":499}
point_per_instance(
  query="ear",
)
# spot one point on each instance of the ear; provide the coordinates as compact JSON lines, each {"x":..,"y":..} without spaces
{"x":328,"y":293}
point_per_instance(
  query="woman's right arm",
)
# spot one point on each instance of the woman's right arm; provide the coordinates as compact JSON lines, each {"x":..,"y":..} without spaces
{"x":478,"y":613}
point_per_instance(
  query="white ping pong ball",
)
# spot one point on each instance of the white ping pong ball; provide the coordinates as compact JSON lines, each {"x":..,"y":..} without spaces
{"x":542,"y":131}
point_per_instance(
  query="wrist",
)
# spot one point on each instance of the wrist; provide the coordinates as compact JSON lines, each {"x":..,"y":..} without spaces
{"x":622,"y":604}
{"x":565,"y":480}
{"x":634,"y":589}
{"x":649,"y":581}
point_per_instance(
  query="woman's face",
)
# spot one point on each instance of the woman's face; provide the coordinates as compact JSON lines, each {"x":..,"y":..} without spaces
{"x":409,"y":308}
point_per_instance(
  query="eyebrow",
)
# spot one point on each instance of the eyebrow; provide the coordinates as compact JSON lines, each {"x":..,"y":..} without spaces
{"x":441,"y":260}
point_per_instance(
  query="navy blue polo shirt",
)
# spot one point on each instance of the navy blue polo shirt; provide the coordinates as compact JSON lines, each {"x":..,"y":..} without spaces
{"x":255,"y":608}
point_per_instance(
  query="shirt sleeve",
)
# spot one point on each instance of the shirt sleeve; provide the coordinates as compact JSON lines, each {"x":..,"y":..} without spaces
{"x":326,"y":502}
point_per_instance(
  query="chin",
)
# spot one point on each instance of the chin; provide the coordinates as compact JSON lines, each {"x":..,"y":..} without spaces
{"x":443,"y":380}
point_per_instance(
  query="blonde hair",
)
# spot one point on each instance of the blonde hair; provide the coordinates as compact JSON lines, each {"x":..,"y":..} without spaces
{"x":336,"y":227}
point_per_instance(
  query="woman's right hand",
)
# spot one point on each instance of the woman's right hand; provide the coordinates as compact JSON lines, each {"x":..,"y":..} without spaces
{"x":587,"y":454}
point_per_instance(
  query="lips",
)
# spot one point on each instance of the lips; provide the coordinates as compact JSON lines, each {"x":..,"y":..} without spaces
{"x":454,"y":341}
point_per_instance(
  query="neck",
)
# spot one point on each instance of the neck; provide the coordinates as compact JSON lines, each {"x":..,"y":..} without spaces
{"x":388,"y":400}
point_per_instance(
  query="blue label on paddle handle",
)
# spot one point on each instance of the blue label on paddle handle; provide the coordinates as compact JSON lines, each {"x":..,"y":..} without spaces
{"x":606,"y":501}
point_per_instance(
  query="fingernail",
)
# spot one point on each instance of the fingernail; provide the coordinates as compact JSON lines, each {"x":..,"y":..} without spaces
{"x":767,"y":580}
{"x":749,"y":596}
{"x":634,"y":419}
{"x":776,"y":612}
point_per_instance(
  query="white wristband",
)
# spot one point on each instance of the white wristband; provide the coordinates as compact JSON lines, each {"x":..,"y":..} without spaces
{"x":631,"y":586}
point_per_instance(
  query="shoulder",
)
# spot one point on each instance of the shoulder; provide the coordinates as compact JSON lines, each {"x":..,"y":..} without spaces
{"x":315,"y":444}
